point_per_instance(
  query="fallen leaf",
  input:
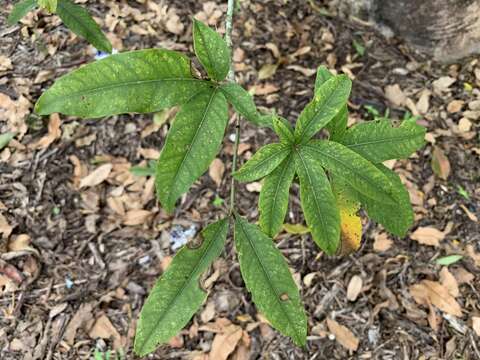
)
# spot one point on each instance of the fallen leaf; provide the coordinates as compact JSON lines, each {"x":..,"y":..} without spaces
{"x":382,"y":242}
{"x":449,"y":281}
{"x":5,"y":228}
{"x":104,"y":329}
{"x":437,"y":294}
{"x":97,"y":176}
{"x":254,"y":186}
{"x":395,"y":95}
{"x":225,"y":342}
{"x":54,"y":133}
{"x":267,"y":71}
{"x":443,"y":84}
{"x":440,"y":163}
{"x":476,"y":324}
{"x":354,"y":288}
{"x":428,"y":236}
{"x":462,"y":275}
{"x":343,"y":335}
{"x":464,"y":125}
{"x":265,"y":89}
{"x":81,"y":317}
{"x":216,"y":171}
{"x":20,"y":242}
{"x":469,"y":214}
{"x":423,"y":102}
{"x":137,"y":217}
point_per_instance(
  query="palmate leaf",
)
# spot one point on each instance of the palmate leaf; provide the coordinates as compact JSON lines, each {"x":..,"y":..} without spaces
{"x":77,"y":19}
{"x":191,"y":145}
{"x":273,"y":201}
{"x":243,"y":104}
{"x":396,"y":218}
{"x":21,"y":9}
{"x":212,"y":51}
{"x":379,"y":141}
{"x":318,"y":202}
{"x":138,"y":81}
{"x":329,"y":99}
{"x":263,"y":162}
{"x":268,"y":278}
{"x":284,"y":130}
{"x":49,"y":5}
{"x":177,"y":295}
{"x":361,"y":174}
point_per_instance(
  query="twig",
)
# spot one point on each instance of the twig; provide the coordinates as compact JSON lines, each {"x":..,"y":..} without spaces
{"x":231,"y":78}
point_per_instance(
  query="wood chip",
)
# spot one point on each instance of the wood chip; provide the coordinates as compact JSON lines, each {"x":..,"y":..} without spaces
{"x":476,"y":324}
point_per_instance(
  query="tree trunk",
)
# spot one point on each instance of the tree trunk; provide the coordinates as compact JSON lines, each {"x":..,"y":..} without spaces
{"x":448,"y":30}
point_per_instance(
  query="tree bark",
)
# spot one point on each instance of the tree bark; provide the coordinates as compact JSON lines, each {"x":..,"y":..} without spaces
{"x":448,"y":30}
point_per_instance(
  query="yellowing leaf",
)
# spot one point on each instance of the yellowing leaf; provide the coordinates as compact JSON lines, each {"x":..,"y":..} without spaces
{"x":350,"y":226}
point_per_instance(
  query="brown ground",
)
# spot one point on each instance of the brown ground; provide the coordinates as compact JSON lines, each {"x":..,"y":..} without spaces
{"x":79,"y":261}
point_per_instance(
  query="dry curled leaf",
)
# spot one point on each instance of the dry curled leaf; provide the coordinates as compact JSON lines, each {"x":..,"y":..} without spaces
{"x":382,"y":242}
{"x":216,"y":171}
{"x":104,"y":329}
{"x":440,"y":163}
{"x":428,"y":236}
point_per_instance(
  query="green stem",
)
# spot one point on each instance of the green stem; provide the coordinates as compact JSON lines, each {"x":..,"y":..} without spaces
{"x":231,"y":78}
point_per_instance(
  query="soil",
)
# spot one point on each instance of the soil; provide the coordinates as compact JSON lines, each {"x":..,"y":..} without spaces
{"x":86,"y":261}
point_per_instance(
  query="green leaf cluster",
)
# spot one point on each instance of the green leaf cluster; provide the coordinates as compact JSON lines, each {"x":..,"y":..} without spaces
{"x":348,"y":164}
{"x":75,"y":17}
{"x":345,"y":169}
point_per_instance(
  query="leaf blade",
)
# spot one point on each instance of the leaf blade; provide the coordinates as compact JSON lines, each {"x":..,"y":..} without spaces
{"x":243,"y":103}
{"x":284,"y":130}
{"x":318,"y":202}
{"x":378,"y":141}
{"x":262,"y":163}
{"x":177,"y":296}
{"x":138,"y":81}
{"x":273,"y":200}
{"x":268,"y":278}
{"x":77,"y":19}
{"x":21,"y":9}
{"x":191,"y":145}
{"x":211,"y":50}
{"x":362,"y":175}
{"x":328,"y":101}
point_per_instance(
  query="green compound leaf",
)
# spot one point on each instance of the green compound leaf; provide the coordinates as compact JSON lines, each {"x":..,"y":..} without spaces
{"x":49,"y":5}
{"x":329,"y":99}
{"x":284,"y":130}
{"x":265,"y":160}
{"x":378,"y":141}
{"x":268,"y":278}
{"x":20,"y":10}
{"x":177,"y":294}
{"x":77,"y":19}
{"x":358,"y":172}
{"x":243,"y":103}
{"x":191,"y":145}
{"x":397,"y":218}
{"x":318,"y":202}
{"x":212,"y":51}
{"x":273,"y":201}
{"x":137,"y":81}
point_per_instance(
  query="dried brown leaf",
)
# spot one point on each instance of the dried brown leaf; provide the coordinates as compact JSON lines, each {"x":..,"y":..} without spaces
{"x":354,"y":288}
{"x":216,"y":171}
{"x":97,"y":176}
{"x":104,"y":329}
{"x":440,"y":163}
{"x":449,"y":281}
{"x":343,"y":335}
{"x":428,"y":236}
{"x":434,"y":292}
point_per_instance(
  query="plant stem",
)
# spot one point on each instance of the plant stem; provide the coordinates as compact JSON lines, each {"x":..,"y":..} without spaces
{"x":231,"y":78}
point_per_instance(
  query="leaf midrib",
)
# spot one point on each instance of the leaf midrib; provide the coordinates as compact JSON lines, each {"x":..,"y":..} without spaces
{"x":269,"y":279}
{"x":360,"y":175}
{"x":380,"y":141}
{"x":309,"y":124}
{"x":61,"y":4}
{"x":193,"y":142}
{"x":313,"y":192}
{"x":184,"y":286}
{"x":284,"y":170}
